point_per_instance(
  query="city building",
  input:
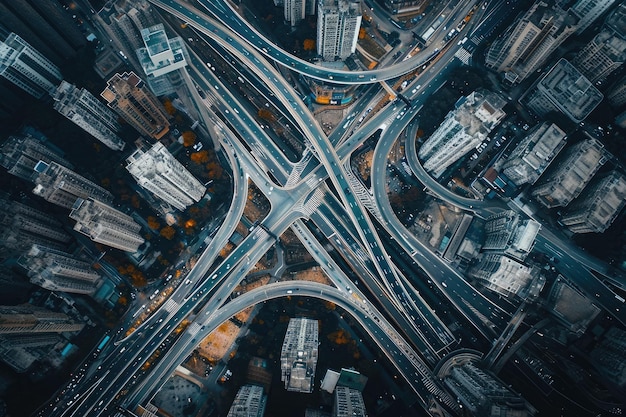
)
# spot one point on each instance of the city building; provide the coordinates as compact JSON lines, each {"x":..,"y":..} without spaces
{"x":161,"y":55}
{"x":463,"y":129}
{"x":298,"y":356}
{"x":20,"y":153}
{"x":348,"y":403}
{"x":345,"y":378}
{"x":588,"y":11}
{"x":482,"y":394}
{"x":327,"y":93}
{"x":259,"y":373}
{"x":570,"y":306}
{"x":504,"y":275}
{"x":507,"y":233}
{"x":59,"y":271}
{"x":295,"y":10}
{"x":338,"y":24}
{"x":88,"y":113}
{"x":28,"y":319}
{"x":563,"y":89}
{"x":575,"y":168}
{"x":607,"y":50}
{"x":534,"y":153}
{"x":25,"y":67}
{"x":617,"y":93}
{"x":609,"y":357}
{"x":129,"y":96}
{"x":45,"y":25}
{"x":122,"y":21}
{"x":598,"y":205}
{"x":21,"y":351}
{"x":159,"y":172}
{"x":530,"y":40}
{"x":22,"y":226}
{"x":104,"y":224}
{"x":250,"y":401}
{"x":62,"y":186}
{"x":406,"y":7}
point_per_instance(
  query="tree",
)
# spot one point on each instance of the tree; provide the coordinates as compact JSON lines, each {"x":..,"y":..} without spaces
{"x":309,"y":45}
{"x":201,"y":157}
{"x":153,"y":223}
{"x":189,"y":138}
{"x":267,"y":115}
{"x":362,"y":33}
{"x":168,"y":232}
{"x":169,"y":107}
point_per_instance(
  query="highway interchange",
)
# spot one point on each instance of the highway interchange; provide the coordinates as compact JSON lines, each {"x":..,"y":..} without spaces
{"x":318,"y":189}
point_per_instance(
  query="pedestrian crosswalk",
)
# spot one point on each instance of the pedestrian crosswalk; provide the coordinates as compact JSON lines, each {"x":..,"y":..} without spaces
{"x":170,"y":306}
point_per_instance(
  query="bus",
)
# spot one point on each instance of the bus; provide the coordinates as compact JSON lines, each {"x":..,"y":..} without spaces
{"x":103,"y":343}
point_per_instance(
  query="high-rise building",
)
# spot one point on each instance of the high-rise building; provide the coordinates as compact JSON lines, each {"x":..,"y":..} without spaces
{"x":45,"y":25}
{"x":578,"y":164}
{"x":295,"y":10}
{"x":27,"y":318}
{"x":129,"y":96}
{"x":509,"y":234}
{"x":28,"y":69}
{"x":617,"y":93}
{"x":534,"y":153}
{"x":482,"y":394}
{"x":609,"y":357}
{"x":160,"y":58}
{"x":504,"y":275}
{"x":86,"y":111}
{"x":529,"y":41}
{"x":123,"y":20}
{"x":159,"y":172}
{"x":348,"y":403}
{"x":408,"y":7}
{"x":598,"y":205}
{"x":59,"y":271}
{"x":607,"y":50}
{"x":20,"y":153}
{"x":462,"y":130}
{"x":298,"y":356}
{"x":104,"y":224}
{"x":250,"y":401}
{"x":22,"y":226}
{"x":563,"y":89}
{"x":588,"y":11}
{"x":338,"y":24}
{"x":62,"y":186}
{"x":20,"y":351}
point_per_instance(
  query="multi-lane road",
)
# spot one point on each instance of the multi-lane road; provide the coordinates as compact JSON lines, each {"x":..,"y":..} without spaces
{"x":407,"y":329}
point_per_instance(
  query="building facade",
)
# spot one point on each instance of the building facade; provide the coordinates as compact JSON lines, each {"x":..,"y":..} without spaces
{"x":28,"y":69}
{"x":588,"y":11}
{"x":59,"y":271}
{"x":338,"y":24}
{"x":20,"y":153}
{"x":532,"y":156}
{"x":62,"y":186}
{"x":104,"y":224}
{"x":159,"y":172}
{"x":598,"y":205}
{"x":130,"y":97}
{"x":504,"y":275}
{"x":348,"y":403}
{"x":298,"y":356}
{"x":529,"y":41}
{"x":250,"y":401}
{"x":295,"y":10}
{"x":578,"y":164}
{"x":563,"y":89}
{"x":160,"y":55}
{"x":462,"y":130}
{"x":88,"y":113}
{"x":606,"y":51}
{"x":27,"y":319}
{"x":22,"y":226}
{"x":507,"y":233}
